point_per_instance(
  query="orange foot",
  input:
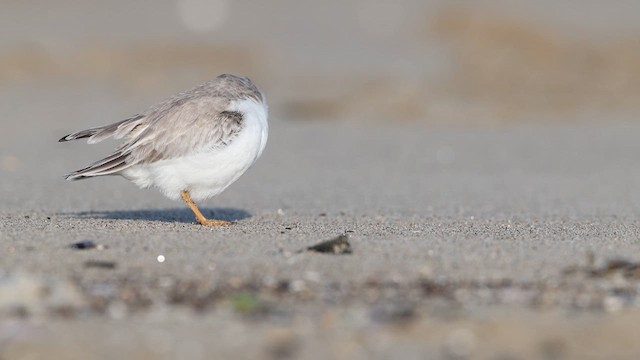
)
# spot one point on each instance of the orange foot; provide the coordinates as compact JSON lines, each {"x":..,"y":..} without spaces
{"x":200,"y":219}
{"x":212,"y":222}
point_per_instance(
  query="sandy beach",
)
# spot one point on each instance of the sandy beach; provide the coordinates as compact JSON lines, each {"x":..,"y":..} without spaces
{"x":453,"y":234}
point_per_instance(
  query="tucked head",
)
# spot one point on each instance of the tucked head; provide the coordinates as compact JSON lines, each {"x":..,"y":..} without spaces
{"x":234,"y":87}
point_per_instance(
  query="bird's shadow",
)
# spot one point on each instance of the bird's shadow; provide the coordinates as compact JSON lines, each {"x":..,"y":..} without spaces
{"x":164,"y":215}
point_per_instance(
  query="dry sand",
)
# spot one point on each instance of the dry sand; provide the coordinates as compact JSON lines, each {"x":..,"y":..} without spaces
{"x":465,"y":243}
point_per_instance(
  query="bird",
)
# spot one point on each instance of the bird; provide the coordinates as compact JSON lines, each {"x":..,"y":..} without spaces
{"x":190,"y":146}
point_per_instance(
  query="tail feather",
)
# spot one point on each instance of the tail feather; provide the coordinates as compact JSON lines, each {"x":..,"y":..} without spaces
{"x":79,"y":135}
{"x":117,"y":130}
{"x":111,"y":164}
{"x":108,"y":166}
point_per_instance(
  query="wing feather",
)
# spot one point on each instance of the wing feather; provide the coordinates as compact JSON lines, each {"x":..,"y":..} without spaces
{"x":106,"y":166}
{"x":192,"y":126}
{"x":171,"y":130}
{"x":117,"y":130}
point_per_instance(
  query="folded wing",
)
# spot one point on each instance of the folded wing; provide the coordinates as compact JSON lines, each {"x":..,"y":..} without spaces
{"x":173,"y":129}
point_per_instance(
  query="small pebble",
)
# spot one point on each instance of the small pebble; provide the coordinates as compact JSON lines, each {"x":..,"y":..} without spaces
{"x":83,"y":245}
{"x":339,"y":245}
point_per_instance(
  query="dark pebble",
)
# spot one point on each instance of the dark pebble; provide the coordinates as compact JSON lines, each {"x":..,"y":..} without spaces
{"x":83,"y":245}
{"x":339,"y":245}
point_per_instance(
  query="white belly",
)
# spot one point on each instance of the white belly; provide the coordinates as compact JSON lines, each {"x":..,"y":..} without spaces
{"x":208,"y":172}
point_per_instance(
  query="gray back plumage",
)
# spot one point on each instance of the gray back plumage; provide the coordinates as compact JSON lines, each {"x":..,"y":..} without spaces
{"x":190,"y":121}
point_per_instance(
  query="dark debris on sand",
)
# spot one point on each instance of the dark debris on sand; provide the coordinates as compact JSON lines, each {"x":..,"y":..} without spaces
{"x":337,"y":246}
{"x":613,"y":267}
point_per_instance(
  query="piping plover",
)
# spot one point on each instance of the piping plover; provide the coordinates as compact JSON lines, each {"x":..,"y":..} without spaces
{"x":191,"y":146}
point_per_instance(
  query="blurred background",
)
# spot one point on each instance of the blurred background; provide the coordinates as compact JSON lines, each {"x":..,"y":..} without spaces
{"x":441,"y":63}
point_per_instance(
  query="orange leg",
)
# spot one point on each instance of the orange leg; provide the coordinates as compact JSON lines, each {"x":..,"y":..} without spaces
{"x":199,"y":217}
